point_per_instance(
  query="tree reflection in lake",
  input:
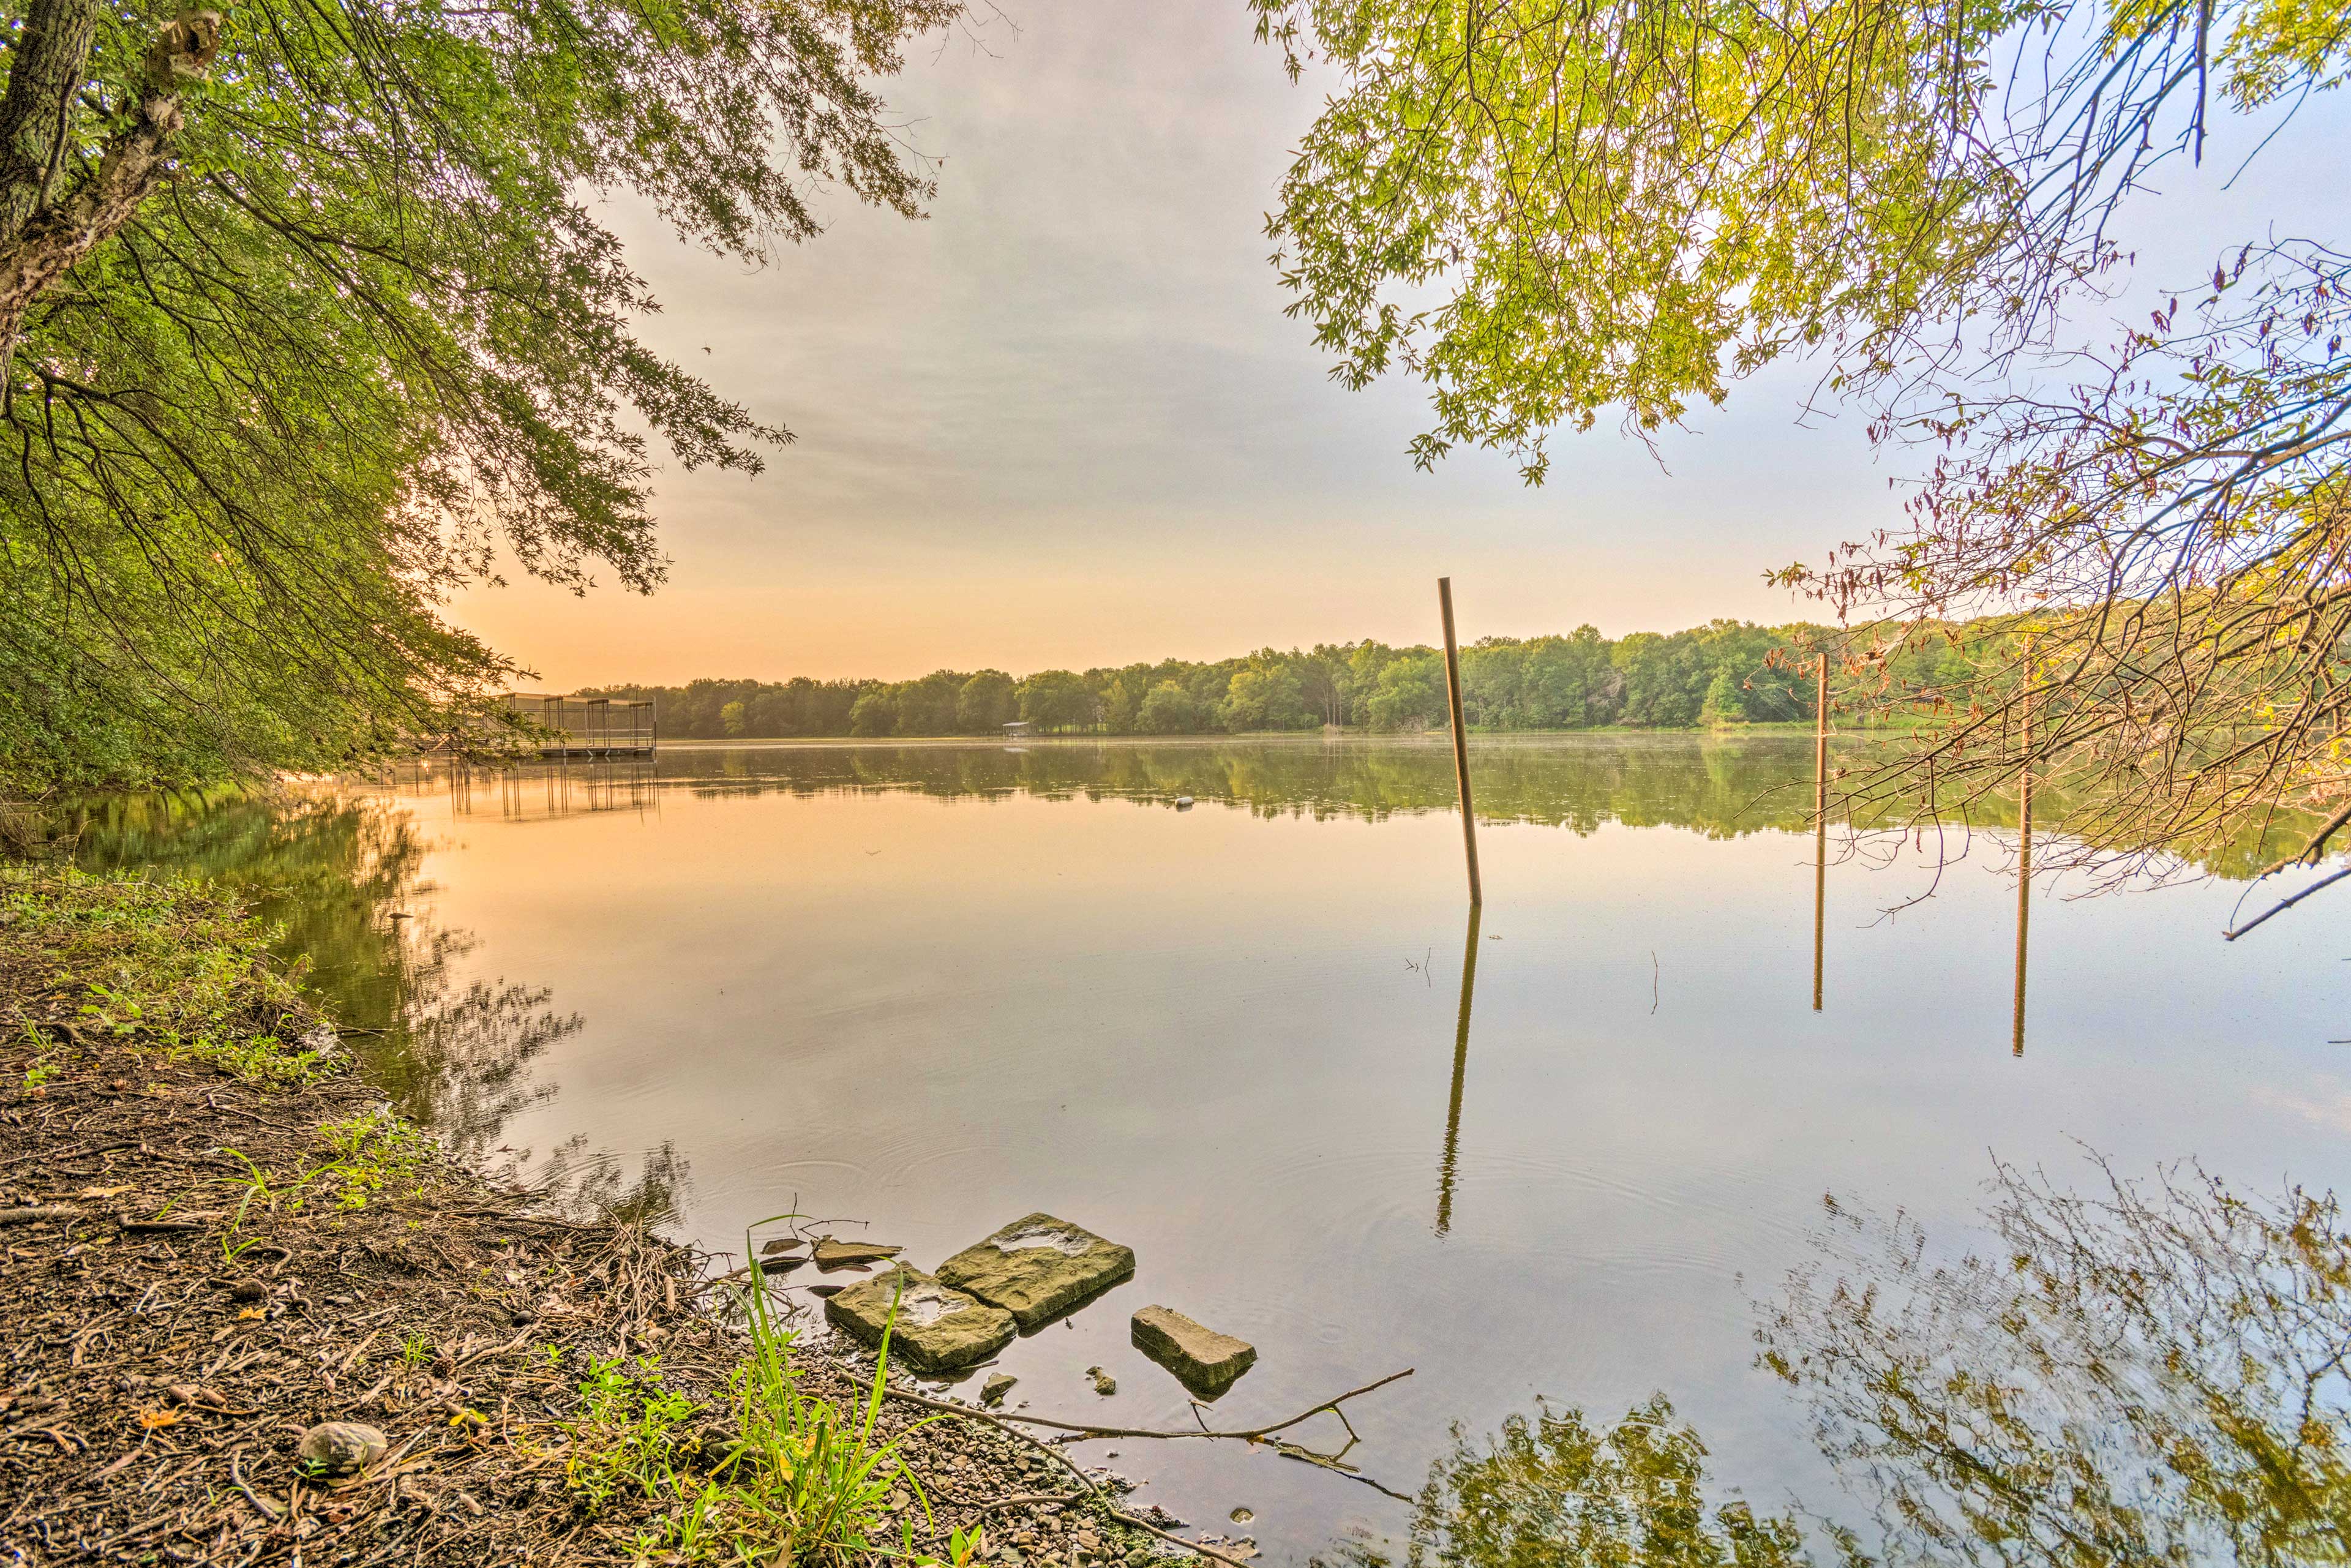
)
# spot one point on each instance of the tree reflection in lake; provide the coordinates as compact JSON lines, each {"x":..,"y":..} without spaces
{"x":340,"y":880}
{"x":1553,"y":1489}
{"x":2154,"y":1373}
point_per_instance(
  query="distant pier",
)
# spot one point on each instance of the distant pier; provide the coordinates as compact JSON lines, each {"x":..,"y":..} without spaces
{"x":588,"y":727}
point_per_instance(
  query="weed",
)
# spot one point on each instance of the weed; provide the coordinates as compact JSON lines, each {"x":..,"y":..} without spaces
{"x":373,"y":1151}
{"x":800,"y":1480}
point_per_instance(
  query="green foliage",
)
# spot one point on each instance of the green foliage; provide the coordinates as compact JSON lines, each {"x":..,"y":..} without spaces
{"x":161,"y":965}
{"x":1650,"y":680}
{"x":370,"y":334}
{"x":1542,"y":212}
{"x":798,"y":1479}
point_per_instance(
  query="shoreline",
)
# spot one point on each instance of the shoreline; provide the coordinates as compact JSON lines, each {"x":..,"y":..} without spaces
{"x":219,"y":1237}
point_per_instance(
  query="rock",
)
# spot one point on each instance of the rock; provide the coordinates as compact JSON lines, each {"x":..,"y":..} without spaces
{"x":938,"y":1328}
{"x":992,"y":1392}
{"x":1241,"y":1516}
{"x":830,"y":1254}
{"x":1104,"y":1383}
{"x":781,"y":1245}
{"x":780,"y":1265}
{"x":1039,"y":1266}
{"x":826,"y":1290}
{"x":335,"y":1449}
{"x":246,"y":1290}
{"x":1205,"y":1362}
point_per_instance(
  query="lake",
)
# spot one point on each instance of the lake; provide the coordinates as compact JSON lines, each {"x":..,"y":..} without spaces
{"x":933,"y":987}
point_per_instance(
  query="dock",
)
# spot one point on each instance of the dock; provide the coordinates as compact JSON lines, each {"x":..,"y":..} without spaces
{"x":588,"y":727}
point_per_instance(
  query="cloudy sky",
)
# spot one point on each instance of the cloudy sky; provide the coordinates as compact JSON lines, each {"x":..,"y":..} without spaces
{"x":1064,"y":420}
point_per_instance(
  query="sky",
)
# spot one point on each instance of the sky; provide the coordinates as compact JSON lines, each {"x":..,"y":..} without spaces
{"x":1062,"y":421}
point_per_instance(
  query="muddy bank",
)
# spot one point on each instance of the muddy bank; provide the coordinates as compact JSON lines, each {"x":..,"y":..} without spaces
{"x":217,"y":1238}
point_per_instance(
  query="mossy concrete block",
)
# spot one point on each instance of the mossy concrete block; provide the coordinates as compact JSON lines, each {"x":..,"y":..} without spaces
{"x":938,"y":1328}
{"x":1206,"y":1362}
{"x":1039,"y":1266}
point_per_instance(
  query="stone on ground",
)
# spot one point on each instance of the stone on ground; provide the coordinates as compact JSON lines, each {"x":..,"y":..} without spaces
{"x":334,"y":1448}
{"x":992,"y":1392}
{"x":938,"y":1328}
{"x":1204,"y":1361}
{"x":1039,"y":1266}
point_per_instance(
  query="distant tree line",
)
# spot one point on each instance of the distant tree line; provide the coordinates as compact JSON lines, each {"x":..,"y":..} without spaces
{"x":1726,"y":672}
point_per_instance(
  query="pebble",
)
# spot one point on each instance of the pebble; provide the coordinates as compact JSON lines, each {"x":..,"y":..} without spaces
{"x":334,"y":1448}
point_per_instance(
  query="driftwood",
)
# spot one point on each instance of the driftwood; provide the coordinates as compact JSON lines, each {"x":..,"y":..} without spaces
{"x":1005,"y":1421}
{"x":1248,"y":1435}
{"x":1092,"y":1492}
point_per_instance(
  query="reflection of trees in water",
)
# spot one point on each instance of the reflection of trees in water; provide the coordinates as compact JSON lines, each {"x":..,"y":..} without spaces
{"x":2151,"y":1373}
{"x":1555,"y":1491}
{"x":327,"y":873}
{"x":1719,"y":788}
{"x":597,"y":1181}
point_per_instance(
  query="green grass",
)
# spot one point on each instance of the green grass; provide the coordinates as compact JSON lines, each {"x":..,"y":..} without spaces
{"x":798,"y":1480}
{"x":161,"y":965}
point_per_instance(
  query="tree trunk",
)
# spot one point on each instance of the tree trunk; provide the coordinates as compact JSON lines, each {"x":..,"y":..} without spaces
{"x":45,"y":71}
{"x":41,"y":239}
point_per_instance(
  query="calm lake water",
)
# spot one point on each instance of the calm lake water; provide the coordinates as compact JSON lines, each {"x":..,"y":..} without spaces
{"x":935,"y":987}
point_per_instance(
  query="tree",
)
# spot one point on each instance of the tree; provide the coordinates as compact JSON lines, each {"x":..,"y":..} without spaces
{"x":1409,"y":693}
{"x":987,"y":702}
{"x":1168,"y":709}
{"x":732,"y":716}
{"x":1545,"y":214}
{"x":875,"y":711}
{"x":1057,"y":699}
{"x":1267,"y":696}
{"x":302,"y":319}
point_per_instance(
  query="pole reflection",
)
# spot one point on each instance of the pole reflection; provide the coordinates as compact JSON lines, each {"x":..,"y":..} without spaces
{"x":1460,"y":1069}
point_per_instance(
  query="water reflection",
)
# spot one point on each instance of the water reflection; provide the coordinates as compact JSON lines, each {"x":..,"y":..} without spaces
{"x":1460,"y":1069}
{"x":339,"y":879}
{"x":2148,"y":1372}
{"x":2152,"y":1372}
{"x":1553,"y":1490}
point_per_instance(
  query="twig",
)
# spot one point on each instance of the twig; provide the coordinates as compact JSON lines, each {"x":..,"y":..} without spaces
{"x":2281,"y":905}
{"x":1083,"y":1480}
{"x":269,"y":1510}
{"x":1250,"y":1435}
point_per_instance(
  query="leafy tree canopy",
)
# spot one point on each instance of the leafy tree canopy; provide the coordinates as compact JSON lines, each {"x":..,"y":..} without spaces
{"x":1548,"y":211}
{"x":308,"y":313}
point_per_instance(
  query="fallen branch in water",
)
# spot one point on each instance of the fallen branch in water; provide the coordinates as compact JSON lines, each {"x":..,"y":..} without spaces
{"x":1003,"y":1422}
{"x":1248,"y":1435}
{"x":1092,"y":1493}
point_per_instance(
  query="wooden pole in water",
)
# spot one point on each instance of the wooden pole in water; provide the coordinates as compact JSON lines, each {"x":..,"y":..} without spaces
{"x":1461,"y":738}
{"x":1820,"y":821}
{"x":2023,"y":848}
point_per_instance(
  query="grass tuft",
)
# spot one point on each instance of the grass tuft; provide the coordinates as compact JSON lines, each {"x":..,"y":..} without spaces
{"x":796,"y":1478}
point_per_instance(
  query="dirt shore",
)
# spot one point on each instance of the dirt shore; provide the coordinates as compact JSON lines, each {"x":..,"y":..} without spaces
{"x":217,"y":1236}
